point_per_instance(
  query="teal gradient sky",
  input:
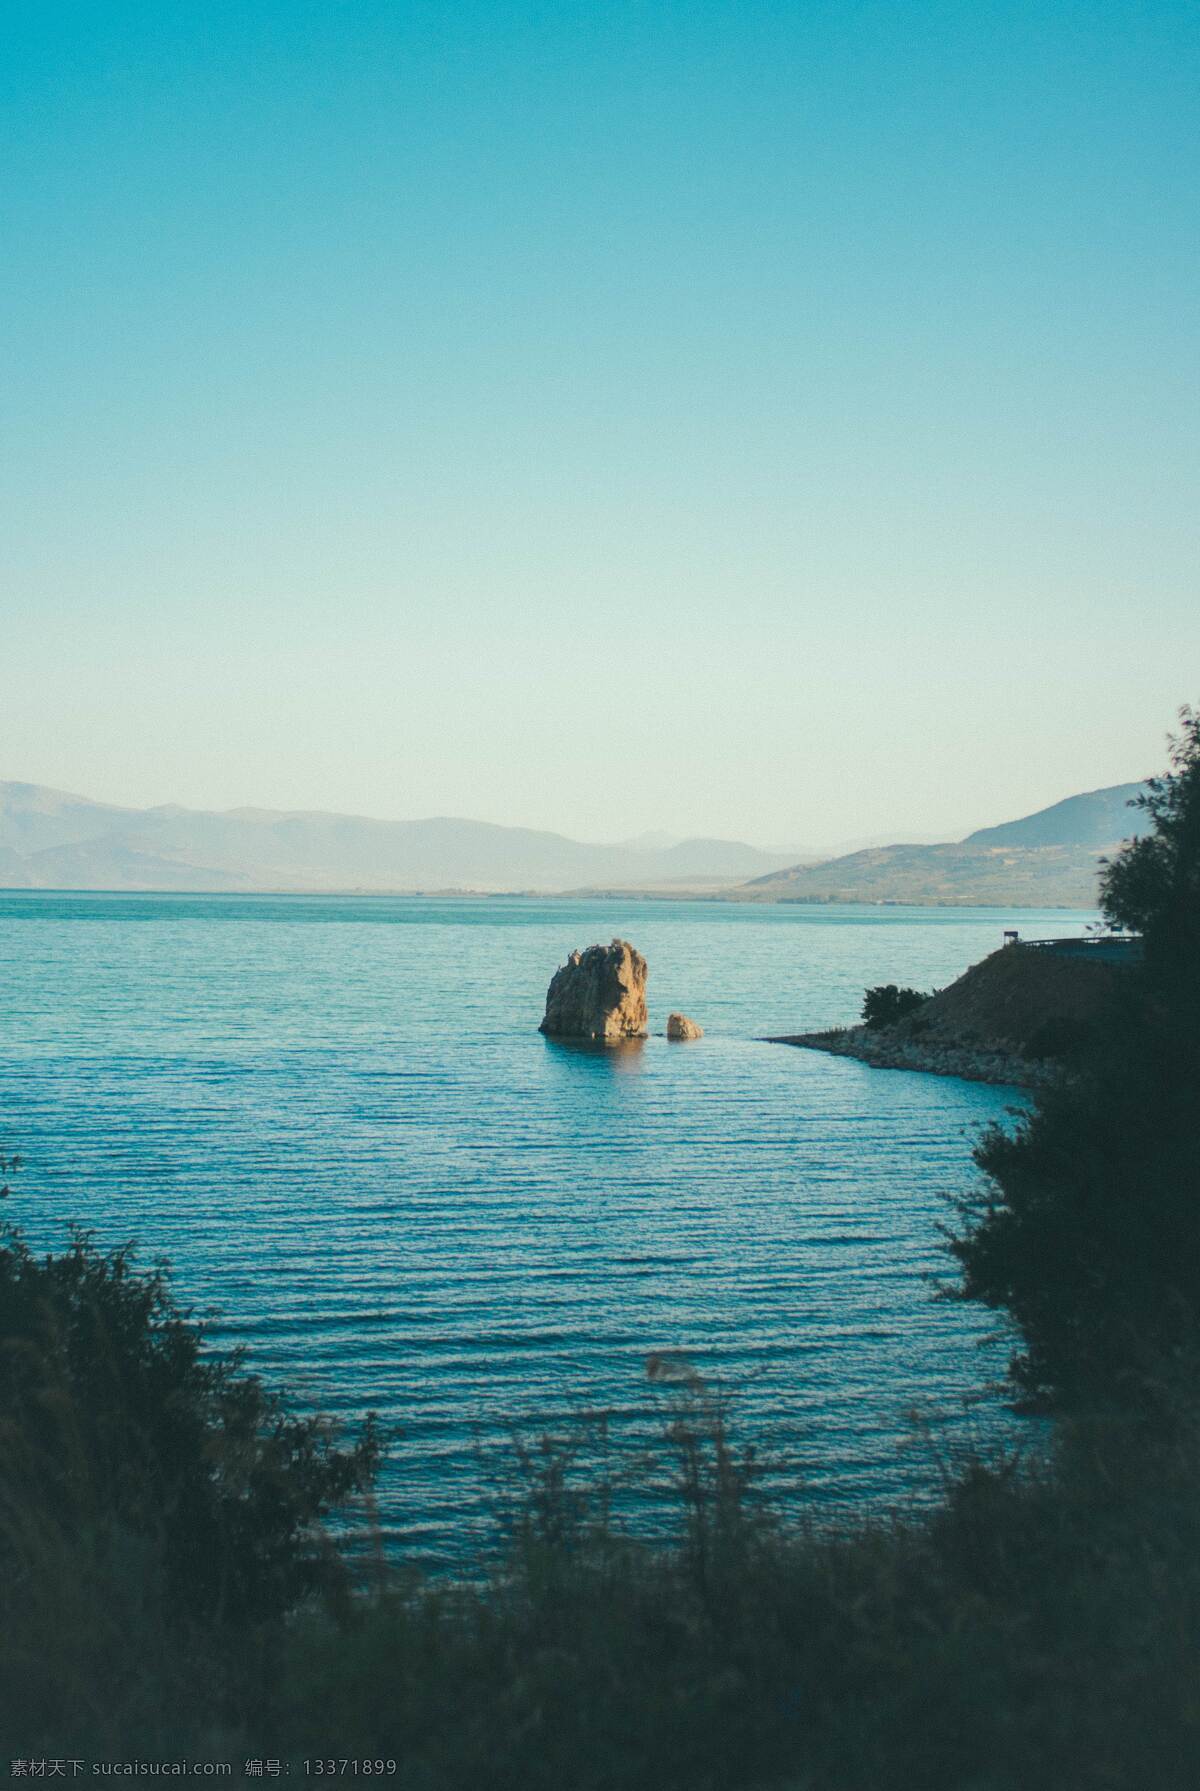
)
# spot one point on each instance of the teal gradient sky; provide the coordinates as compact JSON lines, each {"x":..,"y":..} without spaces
{"x":760,"y":419}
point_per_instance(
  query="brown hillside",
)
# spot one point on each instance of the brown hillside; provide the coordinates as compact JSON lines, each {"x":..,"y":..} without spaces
{"x":1020,"y":999}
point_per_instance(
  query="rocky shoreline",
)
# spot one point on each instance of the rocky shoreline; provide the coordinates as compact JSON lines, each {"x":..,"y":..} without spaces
{"x":884,"y":1050}
{"x":1019,"y":1018}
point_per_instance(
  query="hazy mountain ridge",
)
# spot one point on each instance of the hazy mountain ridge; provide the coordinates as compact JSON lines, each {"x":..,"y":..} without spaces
{"x":1097,"y":818}
{"x":52,"y":839}
{"x":1048,"y":859}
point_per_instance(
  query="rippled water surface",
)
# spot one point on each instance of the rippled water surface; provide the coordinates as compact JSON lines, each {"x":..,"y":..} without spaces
{"x":337,"y":1118}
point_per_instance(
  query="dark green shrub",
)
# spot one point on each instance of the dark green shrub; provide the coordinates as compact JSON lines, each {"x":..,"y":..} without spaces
{"x":1152,"y":887}
{"x":116,"y":1419}
{"x":886,"y":1004}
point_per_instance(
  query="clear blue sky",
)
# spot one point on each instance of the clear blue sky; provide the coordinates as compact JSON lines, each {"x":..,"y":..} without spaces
{"x":765,"y":419}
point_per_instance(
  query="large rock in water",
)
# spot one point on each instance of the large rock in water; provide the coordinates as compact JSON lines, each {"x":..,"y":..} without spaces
{"x":598,"y":994}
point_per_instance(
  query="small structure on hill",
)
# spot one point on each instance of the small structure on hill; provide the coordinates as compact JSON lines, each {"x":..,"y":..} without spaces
{"x":598,"y":994}
{"x":680,"y":1027}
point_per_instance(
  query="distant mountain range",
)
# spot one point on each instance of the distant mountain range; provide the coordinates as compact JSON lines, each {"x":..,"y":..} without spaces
{"x":52,"y":840}
{"x":1048,"y":859}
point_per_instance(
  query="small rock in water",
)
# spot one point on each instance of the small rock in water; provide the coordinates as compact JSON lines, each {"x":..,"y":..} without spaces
{"x":680,"y":1027}
{"x":673,"y":1369}
{"x":598,"y":994}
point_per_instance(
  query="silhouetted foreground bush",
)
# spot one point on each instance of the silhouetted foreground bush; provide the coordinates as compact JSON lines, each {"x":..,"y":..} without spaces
{"x":153,"y":1496}
{"x":166,"y":1587}
{"x":1036,"y":1631}
{"x":1087,"y":1231}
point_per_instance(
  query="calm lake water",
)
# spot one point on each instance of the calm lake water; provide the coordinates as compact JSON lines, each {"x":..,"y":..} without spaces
{"x":338,"y":1120}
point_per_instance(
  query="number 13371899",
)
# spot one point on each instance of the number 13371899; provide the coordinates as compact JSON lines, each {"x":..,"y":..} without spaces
{"x":347,"y":1768}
